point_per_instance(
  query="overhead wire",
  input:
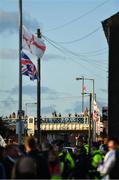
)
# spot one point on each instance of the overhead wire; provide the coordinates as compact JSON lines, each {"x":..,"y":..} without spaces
{"x":54,"y":42}
{"x":80,"y":39}
{"x":89,"y":63}
{"x":78,"y":18}
{"x":76,"y":40}
{"x":64,"y":53}
{"x":99,"y":66}
{"x":93,"y":71}
{"x":71,"y":52}
{"x":64,"y":50}
{"x":97,"y":54}
{"x":87,"y":59}
{"x":93,"y":52}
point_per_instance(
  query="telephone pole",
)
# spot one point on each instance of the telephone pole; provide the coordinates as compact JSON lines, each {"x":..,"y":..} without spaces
{"x":39,"y":94}
{"x":20,"y":76}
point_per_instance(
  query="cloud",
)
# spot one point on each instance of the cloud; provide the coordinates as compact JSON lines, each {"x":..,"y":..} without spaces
{"x":8,"y":102}
{"x":27,"y":90}
{"x":4,"y":91}
{"x":9,"y":21}
{"x":31,"y":90}
{"x":6,"y":54}
{"x":49,"y":57}
{"x":77,"y":107}
{"x":12,"y":54}
{"x":8,"y":105}
{"x":104,"y":90}
{"x":101,"y":104}
{"x":48,"y":109}
{"x":47,"y":90}
{"x":67,"y":111}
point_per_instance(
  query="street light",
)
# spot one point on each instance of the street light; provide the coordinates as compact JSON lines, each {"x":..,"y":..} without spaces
{"x":89,"y":79}
{"x":26,"y":104}
{"x":82,"y":78}
{"x":90,"y":122}
{"x":93,"y":98}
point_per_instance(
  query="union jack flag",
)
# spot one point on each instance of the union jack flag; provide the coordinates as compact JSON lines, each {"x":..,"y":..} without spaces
{"x":28,"y":68}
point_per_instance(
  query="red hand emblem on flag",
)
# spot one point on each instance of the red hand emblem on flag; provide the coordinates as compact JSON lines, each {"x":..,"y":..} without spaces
{"x":33,"y":44}
{"x":84,"y":88}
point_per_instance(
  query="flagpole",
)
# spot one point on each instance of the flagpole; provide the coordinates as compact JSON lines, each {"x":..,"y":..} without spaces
{"x":82,"y":94}
{"x":39,"y":94}
{"x":90,"y":124}
{"x":20,"y":76}
{"x":94,"y":122}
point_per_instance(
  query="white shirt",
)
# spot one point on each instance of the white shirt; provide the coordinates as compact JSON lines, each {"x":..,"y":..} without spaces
{"x":108,"y":163}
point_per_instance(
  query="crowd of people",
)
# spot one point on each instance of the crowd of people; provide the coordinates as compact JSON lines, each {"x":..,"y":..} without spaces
{"x":52,"y":161}
{"x":58,"y":118}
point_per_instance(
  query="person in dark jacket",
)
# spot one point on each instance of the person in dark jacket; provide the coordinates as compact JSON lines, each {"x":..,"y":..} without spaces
{"x":2,"y":168}
{"x":46,"y":147}
{"x":42,"y":164}
{"x":54,"y":165}
{"x":24,"y":168}
{"x":10,"y":159}
{"x":81,"y":163}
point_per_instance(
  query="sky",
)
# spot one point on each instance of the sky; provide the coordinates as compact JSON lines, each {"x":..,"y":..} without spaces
{"x":76,"y":46}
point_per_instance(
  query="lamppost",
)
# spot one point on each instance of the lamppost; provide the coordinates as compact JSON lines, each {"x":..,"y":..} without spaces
{"x":82,"y":78}
{"x":90,"y":121}
{"x":89,"y":79}
{"x":93,"y":98}
{"x":26,"y":104}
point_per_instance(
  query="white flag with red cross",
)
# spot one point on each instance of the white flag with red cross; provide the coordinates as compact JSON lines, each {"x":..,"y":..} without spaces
{"x":32,"y":43}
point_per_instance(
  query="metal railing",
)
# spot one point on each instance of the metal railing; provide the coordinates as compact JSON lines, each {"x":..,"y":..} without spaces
{"x":82,"y":120}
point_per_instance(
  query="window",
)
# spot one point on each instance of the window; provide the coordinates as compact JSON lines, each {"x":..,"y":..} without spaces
{"x":31,"y":120}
